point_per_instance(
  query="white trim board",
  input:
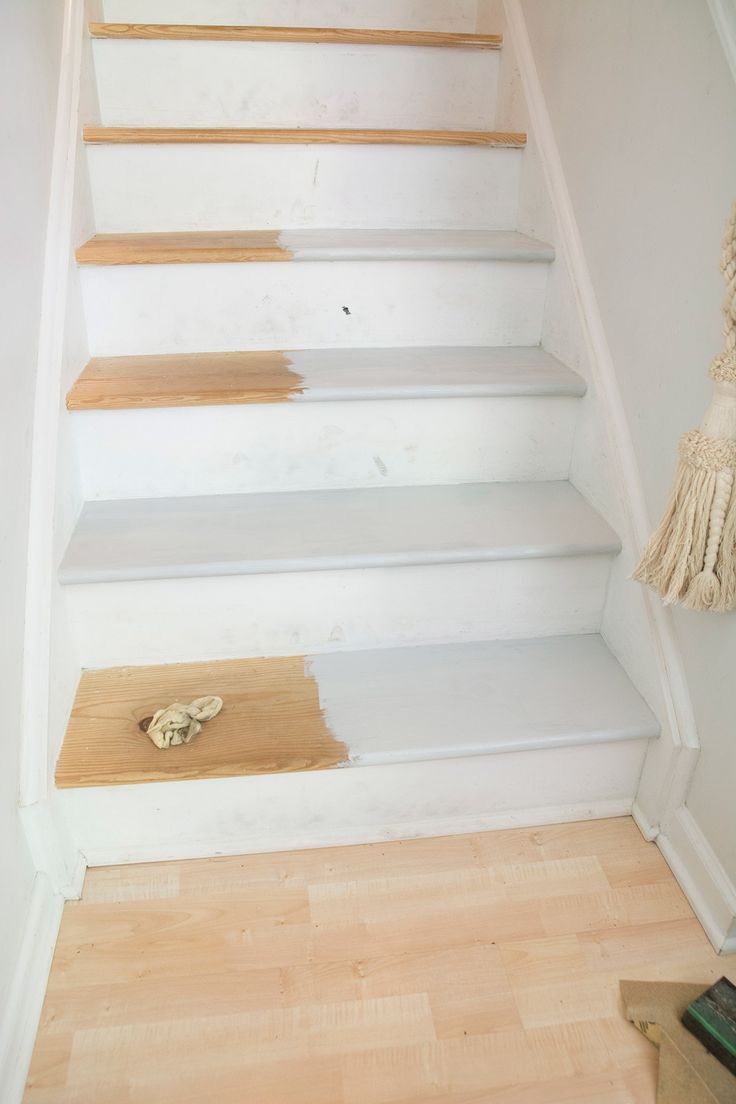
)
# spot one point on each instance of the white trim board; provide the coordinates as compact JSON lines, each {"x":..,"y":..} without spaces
{"x":724,"y":17}
{"x":24,"y":999}
{"x":40,"y":573}
{"x":705,"y":883}
{"x":666,"y":779}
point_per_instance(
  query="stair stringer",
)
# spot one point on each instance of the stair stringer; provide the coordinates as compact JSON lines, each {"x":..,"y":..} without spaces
{"x":636,"y":627}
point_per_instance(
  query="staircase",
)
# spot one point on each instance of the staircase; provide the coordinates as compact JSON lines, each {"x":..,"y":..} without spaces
{"x":324,"y":458}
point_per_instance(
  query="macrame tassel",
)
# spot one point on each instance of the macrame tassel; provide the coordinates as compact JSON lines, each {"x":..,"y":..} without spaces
{"x":713,"y":587}
{"x":691,"y":558}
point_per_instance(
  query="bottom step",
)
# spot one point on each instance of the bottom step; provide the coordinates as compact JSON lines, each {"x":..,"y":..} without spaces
{"x":449,"y":739}
{"x":353,"y":709}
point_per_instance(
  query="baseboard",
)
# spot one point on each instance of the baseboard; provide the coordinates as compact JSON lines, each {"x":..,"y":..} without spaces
{"x":705,"y":883}
{"x":24,"y":999}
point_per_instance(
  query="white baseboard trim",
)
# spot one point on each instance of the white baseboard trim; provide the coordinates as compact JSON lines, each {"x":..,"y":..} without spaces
{"x":704,"y":882}
{"x":24,"y":999}
{"x":451,"y":826}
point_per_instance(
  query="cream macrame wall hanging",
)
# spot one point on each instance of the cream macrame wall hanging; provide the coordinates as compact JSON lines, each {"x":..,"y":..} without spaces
{"x":691,"y":558}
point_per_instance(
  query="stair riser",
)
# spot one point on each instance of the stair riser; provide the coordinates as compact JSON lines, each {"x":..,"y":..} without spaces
{"x":219,"y":307}
{"x":181,"y":620}
{"x":177,"y":820}
{"x":298,"y":446}
{"x":224,"y":187}
{"x":265,"y":84}
{"x":421,"y":15}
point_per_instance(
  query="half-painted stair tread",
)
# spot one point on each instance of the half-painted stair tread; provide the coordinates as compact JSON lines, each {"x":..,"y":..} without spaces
{"x":355,"y":708}
{"x":164,"y":538}
{"x":205,"y":246}
{"x":319,"y":375}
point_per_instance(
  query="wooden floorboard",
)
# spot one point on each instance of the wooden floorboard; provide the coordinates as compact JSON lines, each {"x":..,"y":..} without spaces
{"x":469,"y":969}
{"x":351,"y":36}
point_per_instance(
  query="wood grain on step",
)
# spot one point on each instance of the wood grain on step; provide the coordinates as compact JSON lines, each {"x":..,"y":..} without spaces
{"x":120,"y":135}
{"x":202,"y":247}
{"x":186,"y":379}
{"x":271,"y":722}
{"x":352,"y":36}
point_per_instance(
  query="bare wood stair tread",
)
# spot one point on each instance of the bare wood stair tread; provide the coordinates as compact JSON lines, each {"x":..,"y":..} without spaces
{"x":318,"y":375}
{"x":350,"y":709}
{"x":205,"y":247}
{"x":125,"y":135}
{"x":353,"y":36}
{"x":263,"y":533}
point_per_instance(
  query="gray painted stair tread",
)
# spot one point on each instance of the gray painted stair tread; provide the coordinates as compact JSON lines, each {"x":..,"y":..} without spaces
{"x":443,"y":701}
{"x":489,"y":245}
{"x":432,"y":372}
{"x":321,"y":530}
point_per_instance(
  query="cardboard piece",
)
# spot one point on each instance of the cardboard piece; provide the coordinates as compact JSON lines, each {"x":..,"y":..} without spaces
{"x":688,"y":1074}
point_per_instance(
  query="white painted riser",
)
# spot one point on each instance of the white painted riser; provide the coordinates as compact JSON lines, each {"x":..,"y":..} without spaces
{"x":299,"y":446}
{"x":229,"y":187}
{"x":175,"y":820}
{"x":420,"y":15}
{"x":179,"y":620}
{"x":220,"y":307}
{"x":266,"y":84}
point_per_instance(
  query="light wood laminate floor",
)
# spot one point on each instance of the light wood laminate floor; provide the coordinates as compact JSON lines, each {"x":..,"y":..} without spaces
{"x":462,"y":970}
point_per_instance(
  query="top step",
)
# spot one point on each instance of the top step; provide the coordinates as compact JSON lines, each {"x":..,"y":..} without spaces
{"x":350,"y":36}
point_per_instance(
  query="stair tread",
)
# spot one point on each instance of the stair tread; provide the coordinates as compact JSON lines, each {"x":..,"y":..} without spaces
{"x":355,"y":708}
{"x":127,"y":135}
{"x":345,"y":35}
{"x":319,"y":375}
{"x":165,"y":538}
{"x":311,"y":245}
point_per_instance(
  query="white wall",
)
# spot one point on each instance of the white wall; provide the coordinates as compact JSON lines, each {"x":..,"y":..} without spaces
{"x":643,"y":107}
{"x":30,"y":45}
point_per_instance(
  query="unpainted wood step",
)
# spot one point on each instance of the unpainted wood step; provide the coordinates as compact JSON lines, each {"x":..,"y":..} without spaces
{"x":373,"y":708}
{"x":212,"y":247}
{"x":126,"y":135}
{"x":319,"y":375}
{"x":217,"y":535}
{"x":351,"y":36}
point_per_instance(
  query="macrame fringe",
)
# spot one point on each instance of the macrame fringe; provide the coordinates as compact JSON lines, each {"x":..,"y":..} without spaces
{"x":691,"y":557}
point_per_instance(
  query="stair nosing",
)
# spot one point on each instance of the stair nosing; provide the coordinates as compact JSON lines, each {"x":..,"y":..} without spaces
{"x":368,"y":36}
{"x":299,"y":246}
{"x":133,"y":135}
